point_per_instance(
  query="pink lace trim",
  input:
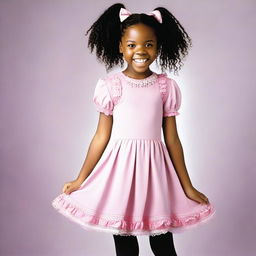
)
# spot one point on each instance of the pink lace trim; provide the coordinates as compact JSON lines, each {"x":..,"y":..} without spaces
{"x":65,"y":206}
{"x":116,"y":87}
{"x":136,"y":83}
{"x":162,"y":80}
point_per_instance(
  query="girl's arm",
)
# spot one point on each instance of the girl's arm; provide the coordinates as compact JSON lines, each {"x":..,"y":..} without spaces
{"x":97,"y":145}
{"x":175,"y":150}
{"x":173,"y":144}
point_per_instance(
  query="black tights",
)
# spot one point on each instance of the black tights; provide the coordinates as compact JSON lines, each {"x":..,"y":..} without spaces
{"x":161,"y":245}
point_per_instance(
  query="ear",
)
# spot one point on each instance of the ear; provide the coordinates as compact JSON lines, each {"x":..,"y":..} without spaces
{"x":120,"y":47}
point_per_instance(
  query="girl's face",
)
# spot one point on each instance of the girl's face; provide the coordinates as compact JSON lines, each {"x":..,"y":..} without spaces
{"x":139,"y":48}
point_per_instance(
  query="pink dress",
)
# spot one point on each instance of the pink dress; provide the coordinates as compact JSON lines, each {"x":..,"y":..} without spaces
{"x":134,"y":188}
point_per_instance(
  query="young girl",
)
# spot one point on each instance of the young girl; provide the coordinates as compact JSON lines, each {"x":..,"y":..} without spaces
{"x":132,"y":183}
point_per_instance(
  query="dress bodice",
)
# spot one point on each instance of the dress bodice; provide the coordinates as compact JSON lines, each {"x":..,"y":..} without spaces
{"x":137,"y":105}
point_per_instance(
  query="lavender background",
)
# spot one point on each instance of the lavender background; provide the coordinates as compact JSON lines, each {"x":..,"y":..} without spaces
{"x":48,"y":119}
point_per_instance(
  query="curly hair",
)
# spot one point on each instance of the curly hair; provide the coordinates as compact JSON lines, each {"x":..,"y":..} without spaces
{"x":106,"y":32}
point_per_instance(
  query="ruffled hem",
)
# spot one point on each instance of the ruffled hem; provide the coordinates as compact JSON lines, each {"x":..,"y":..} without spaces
{"x":172,"y":113}
{"x":174,"y":224}
{"x":107,"y":112}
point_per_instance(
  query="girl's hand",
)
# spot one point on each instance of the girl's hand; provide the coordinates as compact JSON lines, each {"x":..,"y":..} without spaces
{"x":69,"y":187}
{"x":197,"y":196}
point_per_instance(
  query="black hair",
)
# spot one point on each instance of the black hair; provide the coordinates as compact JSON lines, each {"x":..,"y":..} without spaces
{"x":106,"y":33}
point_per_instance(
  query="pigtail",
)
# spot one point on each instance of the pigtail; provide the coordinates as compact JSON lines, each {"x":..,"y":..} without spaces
{"x":174,"y":42}
{"x":105,"y":35}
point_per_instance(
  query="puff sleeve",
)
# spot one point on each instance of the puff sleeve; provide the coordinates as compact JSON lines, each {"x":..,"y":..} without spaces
{"x":102,"y":99}
{"x":172,"y":100}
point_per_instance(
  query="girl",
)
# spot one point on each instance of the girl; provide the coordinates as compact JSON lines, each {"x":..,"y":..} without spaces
{"x":132,"y":183}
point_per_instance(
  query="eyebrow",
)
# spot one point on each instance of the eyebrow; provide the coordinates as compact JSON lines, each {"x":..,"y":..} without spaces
{"x":135,"y":41}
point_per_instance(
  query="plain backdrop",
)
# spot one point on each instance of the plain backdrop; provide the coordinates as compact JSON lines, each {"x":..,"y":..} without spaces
{"x":48,"y":119}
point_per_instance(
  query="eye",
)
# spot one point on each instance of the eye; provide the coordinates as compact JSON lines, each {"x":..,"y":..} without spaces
{"x":131,"y":45}
{"x":149,"y":45}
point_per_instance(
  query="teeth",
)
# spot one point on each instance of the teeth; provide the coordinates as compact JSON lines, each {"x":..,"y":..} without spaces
{"x":140,"y":60}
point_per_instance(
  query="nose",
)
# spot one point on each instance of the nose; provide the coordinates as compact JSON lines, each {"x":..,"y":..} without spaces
{"x":141,"y":51}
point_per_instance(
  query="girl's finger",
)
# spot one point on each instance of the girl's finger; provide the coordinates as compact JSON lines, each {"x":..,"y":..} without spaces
{"x":65,"y":188}
{"x":204,"y":197}
{"x":206,"y":200}
{"x":200,"y":200}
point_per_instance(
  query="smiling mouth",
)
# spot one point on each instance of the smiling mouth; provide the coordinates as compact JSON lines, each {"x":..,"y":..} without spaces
{"x":139,"y":60}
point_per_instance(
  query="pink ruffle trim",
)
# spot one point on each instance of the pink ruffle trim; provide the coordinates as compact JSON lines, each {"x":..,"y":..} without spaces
{"x":171,"y":113}
{"x":162,"y":80}
{"x":106,"y":111}
{"x":115,"y":88}
{"x":175,"y":224}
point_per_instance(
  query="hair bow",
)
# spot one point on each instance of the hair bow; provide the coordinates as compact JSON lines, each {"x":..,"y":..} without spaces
{"x":124,"y":14}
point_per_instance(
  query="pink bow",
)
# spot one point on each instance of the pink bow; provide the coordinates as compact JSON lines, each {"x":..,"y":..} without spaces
{"x":157,"y":15}
{"x":124,"y":14}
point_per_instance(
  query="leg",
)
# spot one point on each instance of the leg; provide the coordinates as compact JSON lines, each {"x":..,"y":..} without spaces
{"x":126,"y":245}
{"x":162,"y":245}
